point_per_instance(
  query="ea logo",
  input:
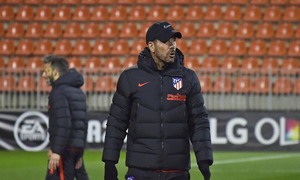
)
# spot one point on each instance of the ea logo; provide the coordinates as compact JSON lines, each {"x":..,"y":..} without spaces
{"x":30,"y":131}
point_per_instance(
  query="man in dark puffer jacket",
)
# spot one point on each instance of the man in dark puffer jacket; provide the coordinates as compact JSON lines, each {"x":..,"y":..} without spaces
{"x":67,"y":120}
{"x":159,"y":102}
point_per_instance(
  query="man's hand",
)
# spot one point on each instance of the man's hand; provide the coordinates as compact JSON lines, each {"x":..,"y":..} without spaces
{"x":204,"y":168}
{"x":110,"y":172}
{"x":53,"y":160}
{"x":78,"y":163}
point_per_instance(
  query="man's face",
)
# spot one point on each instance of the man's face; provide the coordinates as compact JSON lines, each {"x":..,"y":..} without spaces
{"x":48,"y":73}
{"x":165,"y":52}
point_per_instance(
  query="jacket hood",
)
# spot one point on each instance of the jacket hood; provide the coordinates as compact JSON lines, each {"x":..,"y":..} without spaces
{"x":71,"y":78}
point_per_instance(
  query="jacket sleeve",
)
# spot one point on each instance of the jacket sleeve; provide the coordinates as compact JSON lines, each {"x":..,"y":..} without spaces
{"x":117,"y":122}
{"x":62,"y":122}
{"x":198,"y":123}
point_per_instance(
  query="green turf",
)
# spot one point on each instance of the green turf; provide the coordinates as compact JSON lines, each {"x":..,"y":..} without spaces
{"x":20,"y":165}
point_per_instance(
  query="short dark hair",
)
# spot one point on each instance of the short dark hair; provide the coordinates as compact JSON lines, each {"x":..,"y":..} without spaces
{"x":57,"y":62}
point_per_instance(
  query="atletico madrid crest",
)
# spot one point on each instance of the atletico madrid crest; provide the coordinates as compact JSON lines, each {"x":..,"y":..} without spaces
{"x":177,"y":83}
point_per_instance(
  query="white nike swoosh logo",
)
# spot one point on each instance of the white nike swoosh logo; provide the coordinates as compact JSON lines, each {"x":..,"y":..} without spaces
{"x":166,"y":26}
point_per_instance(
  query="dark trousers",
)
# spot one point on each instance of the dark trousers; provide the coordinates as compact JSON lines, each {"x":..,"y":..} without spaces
{"x":142,"y":174}
{"x":66,"y":170}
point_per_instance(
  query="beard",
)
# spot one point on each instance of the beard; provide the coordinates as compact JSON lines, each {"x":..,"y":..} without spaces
{"x":50,"y":80}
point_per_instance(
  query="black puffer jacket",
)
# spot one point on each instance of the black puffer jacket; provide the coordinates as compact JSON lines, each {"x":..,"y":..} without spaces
{"x":67,"y":113}
{"x":162,"y":116}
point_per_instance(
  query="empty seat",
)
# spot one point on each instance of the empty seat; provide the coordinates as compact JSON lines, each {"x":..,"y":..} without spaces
{"x":257,"y":48}
{"x":237,"y":48}
{"x":283,"y":85}
{"x":137,"y":46}
{"x":239,"y":2}
{"x":165,"y":2}
{"x":272,"y":14}
{"x":92,"y":65}
{"x":297,"y":32}
{"x":81,"y":48}
{"x":75,"y":62}
{"x":72,"y":30}
{"x":206,"y":30}
{"x":104,"y":84}
{"x":192,"y":63}
{"x":265,"y":31}
{"x":156,"y":13}
{"x":262,"y":85}
{"x":210,"y":64}
{"x":34,"y":65}
{"x":62,"y":13}
{"x":109,"y":30}
{"x":252,"y":14}
{"x":7,"y":13}
{"x":81,"y":13}
{"x":291,"y":14}
{"x":218,"y":47}
{"x":32,"y":2}
{"x":297,"y":86}
{"x":89,"y":84}
{"x":15,"y":30}
{"x":194,"y":13}
{"x":201,"y":2}
{"x":7,"y":47}
{"x":118,"y":13}
{"x":90,"y":30}
{"x":198,"y":47}
{"x":290,"y":66}
{"x":126,"y":2}
{"x":89,"y":2}
{"x":43,"y":13}
{"x":129,"y":62}
{"x":245,"y":31}
{"x":15,"y":65}
{"x":175,"y":13}
{"x":52,"y":2}
{"x":63,"y":47}
{"x":187,"y":30}
{"x":145,"y":2}
{"x":129,"y":30}
{"x":182,"y":45}
{"x":242,"y":85}
{"x":143,"y":29}
{"x":259,"y":2}
{"x":277,"y":48}
{"x":120,"y":47}
{"x":70,"y":2}
{"x":226,"y":30}
{"x":53,"y":30}
{"x":112,"y":65}
{"x":2,"y":64}
{"x":250,"y":65}
{"x":284,"y":31}
{"x":230,"y":65}
{"x":220,"y":1}
{"x":25,"y":47}
{"x":137,"y":13}
{"x":26,"y":84}
{"x":213,"y":13}
{"x":206,"y":83}
{"x":43,"y":47}
{"x":294,"y":49}
{"x":99,"y":14}
{"x":7,"y":83}
{"x":101,"y":47}
{"x":279,"y":2}
{"x":233,"y":13}
{"x":269,"y":66}
{"x":34,"y":30}
{"x":223,"y":84}
{"x":25,"y":13}
{"x":2,"y":30}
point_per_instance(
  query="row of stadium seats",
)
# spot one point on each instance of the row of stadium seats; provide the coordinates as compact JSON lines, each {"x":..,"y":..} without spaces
{"x":217,"y":47}
{"x":252,"y":13}
{"x":224,"y":30}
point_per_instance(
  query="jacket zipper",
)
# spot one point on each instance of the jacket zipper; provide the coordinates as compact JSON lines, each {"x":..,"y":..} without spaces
{"x":161,"y":119}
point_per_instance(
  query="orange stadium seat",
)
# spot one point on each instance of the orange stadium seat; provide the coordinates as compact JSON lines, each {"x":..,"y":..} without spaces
{"x":270,"y":65}
{"x":206,"y":30}
{"x":75,"y":62}
{"x":250,"y":65}
{"x":52,"y":2}
{"x":2,"y":30}
{"x":101,"y":48}
{"x":2,"y":64}
{"x":26,"y":84}
{"x":206,"y":83}
{"x":237,"y":48}
{"x":15,"y":65}
{"x":257,"y":48}
{"x":252,"y":14}
{"x":63,"y":47}
{"x":81,"y":48}
{"x":126,"y":2}
{"x":7,"y":13}
{"x":32,"y":2}
{"x":223,"y":85}
{"x":43,"y":86}
{"x":284,"y":31}
{"x":192,"y":63}
{"x":43,"y":13}
{"x":291,"y":14}
{"x":53,"y":30}
{"x":187,"y":29}
{"x":225,"y":30}
{"x":118,"y":13}
{"x":34,"y":30}
{"x":25,"y":13}
{"x":296,"y":89}
{"x":194,"y":13}
{"x":129,"y":62}
{"x":156,"y":13}
{"x":72,"y":30}
{"x":92,"y":65}
{"x":143,"y":29}
{"x":210,"y":64}
{"x":221,"y":2}
{"x":230,"y":65}
{"x":242,"y":85}
{"x":107,"y":2}
{"x":70,"y":2}
{"x":109,"y":30}
{"x":175,"y":13}
{"x":88,"y":2}
{"x":283,"y":85}
{"x":198,"y":47}
{"x":259,"y":2}
{"x":182,"y":45}
{"x":15,"y":30}
{"x":218,"y":47}
{"x":280,"y":2}
{"x":99,"y":14}
{"x":81,"y":13}
{"x":294,"y":48}
{"x":277,"y":48}
{"x":120,"y":47}
{"x":213,"y":13}
{"x":145,"y":2}
{"x":182,"y":2}
{"x":201,"y":2}
{"x":129,"y":30}
{"x":239,"y":2}
{"x":7,"y":83}
{"x":7,"y":47}
{"x":297,"y":32}
{"x":233,"y":13}
{"x":137,"y":13}
{"x":265,"y":31}
{"x":25,"y":47}
{"x":43,"y":47}
{"x":165,"y":2}
{"x":34,"y":65}
{"x":89,"y":84}
{"x":14,"y":2}
{"x":272,"y":14}
{"x":104,"y":84}
{"x":62,"y":13}
{"x":137,"y":46}
{"x":112,"y":65}
{"x":245,"y":31}
{"x":90,"y":30}
{"x":261,"y":85}
{"x":290,"y":66}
